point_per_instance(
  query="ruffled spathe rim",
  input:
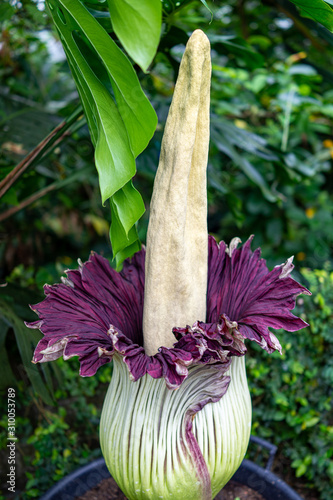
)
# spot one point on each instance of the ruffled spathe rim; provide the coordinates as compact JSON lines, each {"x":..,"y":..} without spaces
{"x":96,"y":312}
{"x":241,"y":286}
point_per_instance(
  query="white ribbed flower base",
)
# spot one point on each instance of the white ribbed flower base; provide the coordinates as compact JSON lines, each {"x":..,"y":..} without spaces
{"x":223,"y":429}
{"x":144,"y":437}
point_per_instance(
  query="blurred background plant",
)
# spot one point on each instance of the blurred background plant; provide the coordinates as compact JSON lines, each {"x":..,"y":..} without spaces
{"x":269,"y":173}
{"x":292,"y":394}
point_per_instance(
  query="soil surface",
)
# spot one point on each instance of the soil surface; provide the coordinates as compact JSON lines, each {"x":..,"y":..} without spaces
{"x":108,"y":490}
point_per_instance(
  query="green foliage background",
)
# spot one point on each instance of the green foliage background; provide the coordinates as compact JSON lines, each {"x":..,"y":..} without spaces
{"x":269,"y":173}
{"x":292,"y":394}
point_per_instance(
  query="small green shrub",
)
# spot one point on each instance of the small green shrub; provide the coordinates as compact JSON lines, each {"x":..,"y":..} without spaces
{"x":55,"y":440}
{"x":293,"y":393}
{"x":67,"y":437}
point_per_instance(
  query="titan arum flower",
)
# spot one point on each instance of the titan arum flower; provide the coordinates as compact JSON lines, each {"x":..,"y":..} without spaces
{"x":177,"y":415}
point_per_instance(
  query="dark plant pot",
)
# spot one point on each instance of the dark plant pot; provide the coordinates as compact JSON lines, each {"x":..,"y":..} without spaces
{"x":250,"y":474}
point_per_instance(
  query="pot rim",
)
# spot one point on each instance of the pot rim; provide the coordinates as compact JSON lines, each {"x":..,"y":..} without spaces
{"x":78,"y":482}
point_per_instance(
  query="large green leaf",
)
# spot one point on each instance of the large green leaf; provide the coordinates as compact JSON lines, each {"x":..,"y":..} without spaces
{"x":318,"y":10}
{"x":6,"y":11}
{"x":26,"y":340}
{"x":120,"y":118}
{"x":137,"y":24}
{"x":124,"y":205}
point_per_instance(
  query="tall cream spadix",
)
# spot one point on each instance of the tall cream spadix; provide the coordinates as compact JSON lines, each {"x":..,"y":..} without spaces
{"x":176,"y":254}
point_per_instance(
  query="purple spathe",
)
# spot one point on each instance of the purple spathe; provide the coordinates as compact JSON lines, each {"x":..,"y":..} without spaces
{"x":96,"y":312}
{"x":241,"y":287}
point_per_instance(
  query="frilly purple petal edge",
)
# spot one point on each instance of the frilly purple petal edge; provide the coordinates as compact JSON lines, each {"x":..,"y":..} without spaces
{"x":173,"y":363}
{"x":96,"y":313}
